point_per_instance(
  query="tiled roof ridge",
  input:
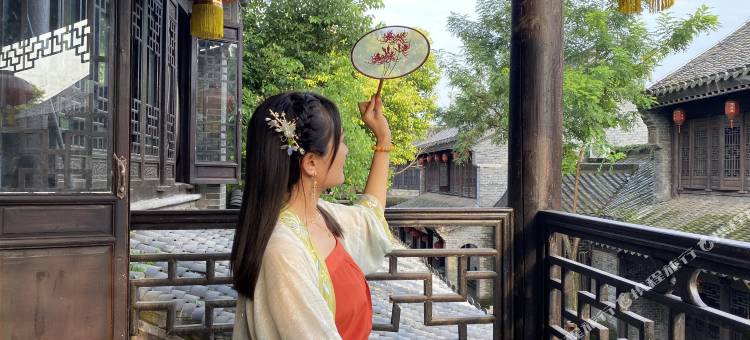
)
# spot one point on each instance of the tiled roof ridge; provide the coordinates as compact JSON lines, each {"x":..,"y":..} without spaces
{"x":666,"y":85}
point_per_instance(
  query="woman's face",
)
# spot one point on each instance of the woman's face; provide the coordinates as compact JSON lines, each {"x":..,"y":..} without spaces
{"x":334,"y":175}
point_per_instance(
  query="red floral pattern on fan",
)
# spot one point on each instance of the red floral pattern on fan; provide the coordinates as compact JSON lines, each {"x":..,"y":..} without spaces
{"x":395,"y":47}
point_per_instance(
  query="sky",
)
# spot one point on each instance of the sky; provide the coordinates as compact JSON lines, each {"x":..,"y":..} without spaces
{"x":432,"y":15}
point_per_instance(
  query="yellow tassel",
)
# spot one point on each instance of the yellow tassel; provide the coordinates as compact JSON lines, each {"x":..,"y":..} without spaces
{"x":207,"y":19}
{"x":660,"y":5}
{"x":629,"y":6}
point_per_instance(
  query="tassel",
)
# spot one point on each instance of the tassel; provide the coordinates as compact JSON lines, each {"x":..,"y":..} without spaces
{"x":629,"y":6}
{"x":660,"y":5}
{"x":634,"y":6}
{"x":207,"y":19}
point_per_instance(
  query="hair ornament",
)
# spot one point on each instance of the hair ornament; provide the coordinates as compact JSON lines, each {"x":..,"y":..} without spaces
{"x":287,"y":129}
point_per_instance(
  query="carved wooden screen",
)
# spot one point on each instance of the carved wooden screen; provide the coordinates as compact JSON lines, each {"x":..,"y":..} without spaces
{"x":154,"y":103}
{"x":684,"y":147}
{"x":715,"y":153}
{"x":731,"y":157}
{"x":711,"y":154}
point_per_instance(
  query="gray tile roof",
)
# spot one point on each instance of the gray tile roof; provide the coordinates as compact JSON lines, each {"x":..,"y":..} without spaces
{"x":191,"y":298}
{"x":728,"y":59}
{"x":440,"y":137}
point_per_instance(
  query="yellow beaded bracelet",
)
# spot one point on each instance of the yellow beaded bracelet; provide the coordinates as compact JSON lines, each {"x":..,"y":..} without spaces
{"x":386,"y":148}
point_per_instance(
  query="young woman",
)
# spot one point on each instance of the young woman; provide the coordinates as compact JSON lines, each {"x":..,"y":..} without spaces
{"x":299,"y":262}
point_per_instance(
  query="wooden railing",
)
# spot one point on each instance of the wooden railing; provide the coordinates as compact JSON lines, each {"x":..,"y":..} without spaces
{"x":664,"y":304}
{"x":496,"y":220}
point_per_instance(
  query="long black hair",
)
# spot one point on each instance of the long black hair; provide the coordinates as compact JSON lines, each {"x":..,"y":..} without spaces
{"x":271,"y":174}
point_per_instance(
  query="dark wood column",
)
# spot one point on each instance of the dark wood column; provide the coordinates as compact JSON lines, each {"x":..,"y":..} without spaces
{"x":535,"y":150}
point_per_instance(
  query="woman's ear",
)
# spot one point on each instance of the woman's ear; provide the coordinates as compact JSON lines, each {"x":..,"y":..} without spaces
{"x":308,"y":164}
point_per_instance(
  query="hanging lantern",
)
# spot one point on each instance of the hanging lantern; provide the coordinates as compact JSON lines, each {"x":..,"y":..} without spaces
{"x":732,"y":110}
{"x":445,"y":157}
{"x":634,"y":6}
{"x":420,"y":161}
{"x":207,"y":19}
{"x":436,"y":157}
{"x":438,"y":244}
{"x":678,"y":116}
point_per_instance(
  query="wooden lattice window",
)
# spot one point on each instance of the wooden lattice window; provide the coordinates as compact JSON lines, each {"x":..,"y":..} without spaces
{"x":711,"y":154}
{"x":685,"y":153}
{"x":215,"y":116}
{"x":444,"y":173}
{"x":715,"y":152}
{"x":154,"y":97}
{"x":701,"y":146}
{"x":732,"y":151}
{"x":407,"y":178}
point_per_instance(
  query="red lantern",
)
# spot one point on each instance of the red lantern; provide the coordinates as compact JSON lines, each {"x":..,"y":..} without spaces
{"x":436,"y":157}
{"x":732,"y":110}
{"x":438,"y":244}
{"x":420,"y":161}
{"x":678,"y":116}
{"x":445,"y":157}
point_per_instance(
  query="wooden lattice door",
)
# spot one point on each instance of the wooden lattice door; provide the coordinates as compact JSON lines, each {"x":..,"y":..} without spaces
{"x":63,"y":188}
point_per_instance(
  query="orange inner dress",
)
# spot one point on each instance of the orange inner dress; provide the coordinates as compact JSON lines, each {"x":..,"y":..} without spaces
{"x":353,"y":302}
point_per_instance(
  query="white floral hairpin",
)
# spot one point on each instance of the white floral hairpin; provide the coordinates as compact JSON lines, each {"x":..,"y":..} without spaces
{"x":287,"y":129}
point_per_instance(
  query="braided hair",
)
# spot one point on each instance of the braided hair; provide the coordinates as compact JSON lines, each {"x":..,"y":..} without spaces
{"x":271,"y":174}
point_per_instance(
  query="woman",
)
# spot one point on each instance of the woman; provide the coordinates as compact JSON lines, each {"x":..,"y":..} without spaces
{"x":299,"y":262}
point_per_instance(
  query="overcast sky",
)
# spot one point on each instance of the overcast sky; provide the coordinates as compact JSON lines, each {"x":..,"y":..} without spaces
{"x":432,"y":16}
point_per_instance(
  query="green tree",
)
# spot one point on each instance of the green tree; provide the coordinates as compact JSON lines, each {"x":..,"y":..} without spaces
{"x":289,"y":41}
{"x":304,"y":45}
{"x":609,"y":57}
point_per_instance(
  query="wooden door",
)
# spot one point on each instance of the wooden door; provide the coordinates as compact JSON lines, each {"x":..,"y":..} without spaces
{"x":63,"y":191}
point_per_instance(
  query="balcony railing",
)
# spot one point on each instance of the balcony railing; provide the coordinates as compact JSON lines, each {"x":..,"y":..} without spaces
{"x":495,"y":222}
{"x":663,"y":299}
{"x":662,"y":304}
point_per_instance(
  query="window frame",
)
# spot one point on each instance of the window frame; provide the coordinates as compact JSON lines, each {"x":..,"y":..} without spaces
{"x":716,"y":153}
{"x":222,"y":172}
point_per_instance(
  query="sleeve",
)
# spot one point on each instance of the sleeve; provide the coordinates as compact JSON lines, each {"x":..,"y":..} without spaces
{"x":296,"y":307}
{"x":367,"y":237}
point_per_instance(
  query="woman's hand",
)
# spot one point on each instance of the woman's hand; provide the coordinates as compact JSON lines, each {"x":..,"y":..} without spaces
{"x":372,"y":115}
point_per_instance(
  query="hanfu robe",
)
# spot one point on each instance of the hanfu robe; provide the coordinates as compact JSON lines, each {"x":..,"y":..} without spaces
{"x":294,"y":296}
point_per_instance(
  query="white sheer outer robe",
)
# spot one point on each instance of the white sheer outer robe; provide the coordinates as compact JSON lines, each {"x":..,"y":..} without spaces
{"x":289,"y":300}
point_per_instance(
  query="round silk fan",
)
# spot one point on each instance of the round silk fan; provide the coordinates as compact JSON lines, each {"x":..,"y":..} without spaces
{"x":390,"y":52}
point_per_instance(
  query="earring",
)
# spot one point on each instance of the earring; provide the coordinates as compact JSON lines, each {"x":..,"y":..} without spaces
{"x":315,"y":187}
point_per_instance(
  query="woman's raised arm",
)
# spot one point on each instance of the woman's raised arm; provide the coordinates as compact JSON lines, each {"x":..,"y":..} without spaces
{"x":372,"y":115}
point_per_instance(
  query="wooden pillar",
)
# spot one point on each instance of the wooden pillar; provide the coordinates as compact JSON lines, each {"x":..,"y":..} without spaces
{"x":535,"y":151}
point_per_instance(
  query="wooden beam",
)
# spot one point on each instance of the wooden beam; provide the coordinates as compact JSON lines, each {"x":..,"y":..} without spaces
{"x":535,"y":150}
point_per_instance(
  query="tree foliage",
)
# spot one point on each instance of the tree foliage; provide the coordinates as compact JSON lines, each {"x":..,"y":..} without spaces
{"x":609,"y":58}
{"x":305,"y":45}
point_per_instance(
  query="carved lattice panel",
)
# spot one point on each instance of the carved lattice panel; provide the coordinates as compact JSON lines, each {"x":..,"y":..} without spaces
{"x":685,"y":152}
{"x":732,"y":151}
{"x":701,"y":146}
{"x":715,"y":152}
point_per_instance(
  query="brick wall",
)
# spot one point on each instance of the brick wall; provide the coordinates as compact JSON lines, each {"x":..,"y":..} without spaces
{"x":637,"y":134}
{"x":458,"y":237}
{"x":213,"y":196}
{"x":660,"y":133}
{"x":492,"y":173}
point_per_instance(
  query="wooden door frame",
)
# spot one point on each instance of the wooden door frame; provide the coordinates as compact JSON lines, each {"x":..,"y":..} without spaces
{"x":121,"y":146}
{"x":117,"y":238}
